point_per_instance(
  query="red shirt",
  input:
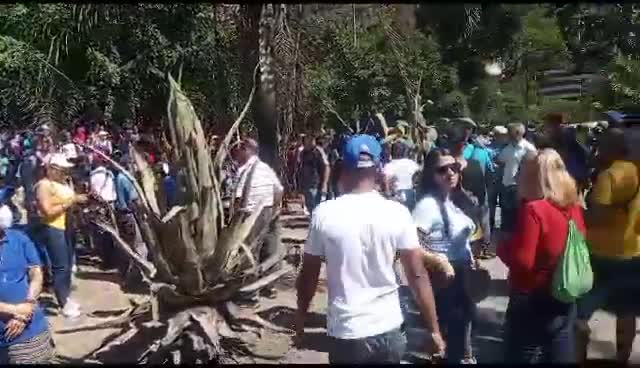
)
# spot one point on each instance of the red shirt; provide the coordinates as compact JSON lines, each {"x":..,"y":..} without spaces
{"x":537,"y":244}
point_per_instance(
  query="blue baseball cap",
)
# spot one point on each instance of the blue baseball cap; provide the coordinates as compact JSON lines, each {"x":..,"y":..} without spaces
{"x":359,"y":145}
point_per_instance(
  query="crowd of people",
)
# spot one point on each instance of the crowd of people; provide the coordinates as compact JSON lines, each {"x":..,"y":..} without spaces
{"x":65,"y":183}
{"x":434,"y":211}
{"x":385,"y":216}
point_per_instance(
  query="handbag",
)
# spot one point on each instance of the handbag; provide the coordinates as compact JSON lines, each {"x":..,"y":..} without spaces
{"x":441,"y":272}
{"x":477,"y":283}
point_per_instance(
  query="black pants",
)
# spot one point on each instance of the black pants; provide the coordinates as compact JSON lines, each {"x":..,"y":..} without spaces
{"x":386,"y":348}
{"x":509,"y":210}
{"x":539,"y":329}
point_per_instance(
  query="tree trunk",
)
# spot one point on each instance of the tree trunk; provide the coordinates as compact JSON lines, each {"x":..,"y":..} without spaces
{"x":265,"y":113}
{"x":257,"y":22}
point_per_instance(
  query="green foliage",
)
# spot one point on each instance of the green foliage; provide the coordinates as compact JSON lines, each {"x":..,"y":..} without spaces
{"x":371,"y":75}
{"x":111,"y":61}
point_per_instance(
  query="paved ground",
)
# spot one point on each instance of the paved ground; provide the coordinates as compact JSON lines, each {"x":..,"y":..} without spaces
{"x":98,"y":290}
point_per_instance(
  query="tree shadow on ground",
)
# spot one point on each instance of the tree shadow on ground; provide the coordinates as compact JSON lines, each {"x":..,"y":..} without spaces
{"x":48,"y":304}
{"x":108,"y":276}
{"x":283,"y":316}
{"x":487,"y":338}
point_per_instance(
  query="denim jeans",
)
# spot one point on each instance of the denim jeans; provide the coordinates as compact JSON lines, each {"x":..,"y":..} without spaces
{"x":456,"y":313}
{"x":509,"y":203}
{"x":386,"y":348}
{"x":539,"y":329}
{"x":60,"y":257}
{"x":311,"y":198}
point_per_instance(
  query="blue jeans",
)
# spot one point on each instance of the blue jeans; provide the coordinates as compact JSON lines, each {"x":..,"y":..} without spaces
{"x":311,"y":198}
{"x":456,"y":313}
{"x":509,"y":206}
{"x":539,"y":329}
{"x":60,"y":256}
{"x":386,"y":348}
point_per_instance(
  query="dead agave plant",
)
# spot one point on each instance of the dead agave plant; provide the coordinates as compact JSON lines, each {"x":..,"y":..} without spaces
{"x":200,"y":263}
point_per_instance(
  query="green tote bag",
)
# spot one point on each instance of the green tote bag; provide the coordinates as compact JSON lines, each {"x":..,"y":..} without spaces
{"x":573,"y":276}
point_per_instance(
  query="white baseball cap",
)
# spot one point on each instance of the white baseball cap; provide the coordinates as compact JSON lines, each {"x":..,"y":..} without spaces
{"x":499,"y":129}
{"x":59,"y":160}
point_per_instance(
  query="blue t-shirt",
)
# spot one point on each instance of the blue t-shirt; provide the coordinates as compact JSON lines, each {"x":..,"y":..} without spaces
{"x":17,"y":255}
{"x":125,"y":191}
{"x":171,"y":190}
{"x":480,"y":154}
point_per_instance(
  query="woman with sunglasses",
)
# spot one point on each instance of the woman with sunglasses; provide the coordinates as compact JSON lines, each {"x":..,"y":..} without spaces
{"x":447,"y":230}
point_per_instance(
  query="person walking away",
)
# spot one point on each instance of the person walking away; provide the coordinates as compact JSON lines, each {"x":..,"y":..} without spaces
{"x":314,"y":174}
{"x":126,"y":202}
{"x":510,"y":159}
{"x":614,"y":244}
{"x":103,"y":189}
{"x":28,"y":178}
{"x":476,"y":150}
{"x":448,"y":230}
{"x":499,"y":141}
{"x":399,"y":174}
{"x":538,"y":327}
{"x":574,"y":155}
{"x":262,"y":186}
{"x":471,"y":195}
{"x":25,"y":337}
{"x":358,"y":235}
{"x":54,"y":198}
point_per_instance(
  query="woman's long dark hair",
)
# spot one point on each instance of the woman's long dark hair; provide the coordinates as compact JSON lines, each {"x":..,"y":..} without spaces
{"x":429,"y":186}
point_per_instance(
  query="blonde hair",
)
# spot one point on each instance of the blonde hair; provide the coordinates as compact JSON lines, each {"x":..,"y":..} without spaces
{"x":544,"y":176}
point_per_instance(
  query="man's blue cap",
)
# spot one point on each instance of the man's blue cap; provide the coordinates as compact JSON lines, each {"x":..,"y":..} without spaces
{"x":359,"y":145}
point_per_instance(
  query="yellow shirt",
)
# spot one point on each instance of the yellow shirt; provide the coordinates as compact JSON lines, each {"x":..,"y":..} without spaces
{"x":58,"y":194}
{"x":615,"y":237}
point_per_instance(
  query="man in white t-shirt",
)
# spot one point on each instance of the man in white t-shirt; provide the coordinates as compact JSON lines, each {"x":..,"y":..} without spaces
{"x":399,"y":174}
{"x":510,"y":157}
{"x":358,"y":235}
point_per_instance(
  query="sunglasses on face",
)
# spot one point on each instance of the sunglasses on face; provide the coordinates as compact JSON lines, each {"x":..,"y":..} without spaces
{"x":454,"y":167}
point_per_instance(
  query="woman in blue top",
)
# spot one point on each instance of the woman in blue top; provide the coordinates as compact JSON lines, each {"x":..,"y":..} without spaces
{"x":24,"y":331}
{"x":446,"y":230}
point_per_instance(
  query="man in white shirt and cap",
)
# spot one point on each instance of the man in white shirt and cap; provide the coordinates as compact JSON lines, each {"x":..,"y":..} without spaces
{"x":263,"y":187}
{"x":358,"y":235}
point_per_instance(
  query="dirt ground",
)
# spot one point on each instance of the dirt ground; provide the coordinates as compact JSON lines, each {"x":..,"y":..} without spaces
{"x":98,"y":290}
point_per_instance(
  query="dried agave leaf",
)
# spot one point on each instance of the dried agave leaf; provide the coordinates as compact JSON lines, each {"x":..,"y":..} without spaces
{"x":148,"y":181}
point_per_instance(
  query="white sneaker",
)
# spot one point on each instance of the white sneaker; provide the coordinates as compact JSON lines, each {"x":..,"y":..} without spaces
{"x":74,"y":269}
{"x":71,"y":309}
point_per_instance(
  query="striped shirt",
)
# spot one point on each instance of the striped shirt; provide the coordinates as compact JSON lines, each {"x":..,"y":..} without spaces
{"x":264,"y":183}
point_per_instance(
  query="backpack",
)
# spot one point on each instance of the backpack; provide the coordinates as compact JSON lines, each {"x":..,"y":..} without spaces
{"x":573,"y":276}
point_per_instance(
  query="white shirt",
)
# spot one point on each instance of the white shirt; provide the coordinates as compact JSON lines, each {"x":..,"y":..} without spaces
{"x":403,"y":170}
{"x":264,"y":183}
{"x":428,"y":217}
{"x":358,"y":235}
{"x":511,"y":156}
{"x":103,"y":184}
